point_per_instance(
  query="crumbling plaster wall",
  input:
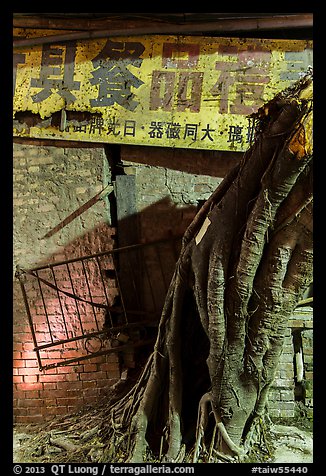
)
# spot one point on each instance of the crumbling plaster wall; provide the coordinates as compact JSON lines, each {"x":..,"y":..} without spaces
{"x":171,"y":184}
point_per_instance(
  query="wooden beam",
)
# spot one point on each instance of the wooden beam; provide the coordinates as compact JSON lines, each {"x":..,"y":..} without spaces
{"x":127,"y":28}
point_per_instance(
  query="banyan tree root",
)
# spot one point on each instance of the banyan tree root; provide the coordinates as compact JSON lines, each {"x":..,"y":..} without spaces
{"x":245,"y":262}
{"x":219,"y":426}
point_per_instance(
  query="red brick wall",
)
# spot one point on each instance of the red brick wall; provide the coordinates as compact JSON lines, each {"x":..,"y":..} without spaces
{"x":49,"y":184}
{"x":39,"y":395}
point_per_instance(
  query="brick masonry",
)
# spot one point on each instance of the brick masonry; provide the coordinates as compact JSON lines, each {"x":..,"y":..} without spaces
{"x":50,"y":182}
{"x":285,"y":391}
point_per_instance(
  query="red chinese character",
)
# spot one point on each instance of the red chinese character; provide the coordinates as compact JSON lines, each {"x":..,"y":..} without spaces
{"x":248,"y":73}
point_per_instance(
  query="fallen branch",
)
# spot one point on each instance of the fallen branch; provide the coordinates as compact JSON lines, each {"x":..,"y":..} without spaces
{"x":88,"y":434}
{"x":63,"y":443}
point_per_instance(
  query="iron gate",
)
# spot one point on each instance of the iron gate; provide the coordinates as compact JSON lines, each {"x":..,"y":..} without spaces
{"x":97,"y":304}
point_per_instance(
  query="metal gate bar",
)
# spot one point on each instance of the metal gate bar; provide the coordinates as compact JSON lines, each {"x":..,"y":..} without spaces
{"x":93,"y":316}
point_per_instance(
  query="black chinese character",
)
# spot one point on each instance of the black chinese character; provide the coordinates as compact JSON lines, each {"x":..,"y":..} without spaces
{"x":156,"y":130}
{"x":79,"y":128}
{"x":235,"y":134}
{"x":173,"y":130}
{"x":112,"y":75}
{"x":113,"y":126}
{"x":96,"y":125}
{"x":207,"y":133}
{"x":130,"y":128}
{"x":57,"y":61}
{"x":191,"y":131}
{"x":251,"y":130}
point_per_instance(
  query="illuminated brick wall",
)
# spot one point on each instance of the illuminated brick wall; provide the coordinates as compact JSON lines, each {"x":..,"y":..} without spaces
{"x":49,"y":184}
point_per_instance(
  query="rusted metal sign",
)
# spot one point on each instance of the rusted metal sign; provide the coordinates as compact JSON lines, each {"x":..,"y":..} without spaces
{"x":172,"y":91}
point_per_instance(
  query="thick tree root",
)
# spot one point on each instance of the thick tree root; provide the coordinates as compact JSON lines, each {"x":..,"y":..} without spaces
{"x":202,"y":421}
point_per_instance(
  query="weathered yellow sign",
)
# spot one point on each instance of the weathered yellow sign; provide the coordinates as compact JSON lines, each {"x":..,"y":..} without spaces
{"x":172,"y":91}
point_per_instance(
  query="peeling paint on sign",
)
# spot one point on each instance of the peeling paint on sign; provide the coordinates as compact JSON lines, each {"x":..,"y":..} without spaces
{"x":172,"y":91}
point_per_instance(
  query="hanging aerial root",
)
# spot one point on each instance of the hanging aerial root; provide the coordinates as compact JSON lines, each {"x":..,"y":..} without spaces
{"x":202,"y":421}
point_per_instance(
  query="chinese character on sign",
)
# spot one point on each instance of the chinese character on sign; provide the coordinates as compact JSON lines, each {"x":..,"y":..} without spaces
{"x":112,"y":75}
{"x":79,"y":128}
{"x":57,"y":73}
{"x":156,"y":130}
{"x":173,"y":130}
{"x":189,"y":91}
{"x":245,"y":76}
{"x":130,"y":128}
{"x":191,"y":131}
{"x":296,"y":63}
{"x":251,"y":130}
{"x":18,"y":58}
{"x":180,"y":55}
{"x":207,"y":132}
{"x":185,"y":87}
{"x":113,"y":126}
{"x":235,"y":134}
{"x":162,"y":90}
{"x":96,"y":125}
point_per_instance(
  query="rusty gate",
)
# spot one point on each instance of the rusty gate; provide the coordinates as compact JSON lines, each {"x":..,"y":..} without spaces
{"x":97,"y":304}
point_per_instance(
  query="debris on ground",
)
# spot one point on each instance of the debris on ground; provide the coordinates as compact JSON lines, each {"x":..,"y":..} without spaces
{"x":78,"y":440}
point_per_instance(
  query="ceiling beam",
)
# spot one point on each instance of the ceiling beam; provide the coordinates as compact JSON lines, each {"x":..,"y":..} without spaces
{"x":127,"y":28}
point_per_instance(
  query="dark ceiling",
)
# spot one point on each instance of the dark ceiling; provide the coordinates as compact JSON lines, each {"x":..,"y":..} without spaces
{"x":167,"y":16}
{"x":261,"y":25}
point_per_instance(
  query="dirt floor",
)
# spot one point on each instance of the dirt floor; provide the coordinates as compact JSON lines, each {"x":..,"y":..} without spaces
{"x":293,"y":445}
